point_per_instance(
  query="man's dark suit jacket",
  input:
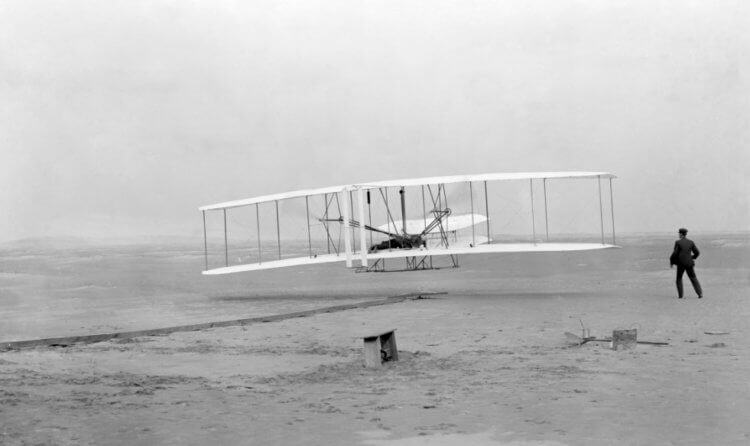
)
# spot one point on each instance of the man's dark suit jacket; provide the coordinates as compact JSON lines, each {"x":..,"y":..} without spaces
{"x":684,"y":253}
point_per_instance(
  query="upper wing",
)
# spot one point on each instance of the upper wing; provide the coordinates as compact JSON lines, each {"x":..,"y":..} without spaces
{"x":486,"y":177}
{"x":407,"y":182}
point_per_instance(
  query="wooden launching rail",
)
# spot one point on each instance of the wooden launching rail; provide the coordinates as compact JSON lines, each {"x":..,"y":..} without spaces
{"x":90,"y":339}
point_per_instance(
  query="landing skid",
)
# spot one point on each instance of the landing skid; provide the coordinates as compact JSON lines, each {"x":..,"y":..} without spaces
{"x":414,"y":263}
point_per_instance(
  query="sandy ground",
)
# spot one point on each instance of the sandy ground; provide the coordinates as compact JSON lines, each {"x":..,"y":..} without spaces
{"x":485,"y":364}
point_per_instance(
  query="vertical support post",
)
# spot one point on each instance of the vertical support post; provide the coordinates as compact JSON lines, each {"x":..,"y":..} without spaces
{"x":307,"y":211}
{"x":278,"y":228}
{"x":205,"y":240}
{"x":369,"y":215}
{"x":325,"y":223}
{"x":424,"y":209}
{"x":533,"y":219}
{"x":601,"y":207}
{"x":387,"y":215}
{"x":402,"y":194}
{"x":447,"y":219}
{"x":347,"y":238}
{"x":257,"y":223}
{"x":226,"y":243}
{"x":546,"y":220}
{"x":612,"y":207}
{"x":487,"y":211}
{"x":471,"y":199}
{"x":362,"y":233}
{"x":351,"y":212}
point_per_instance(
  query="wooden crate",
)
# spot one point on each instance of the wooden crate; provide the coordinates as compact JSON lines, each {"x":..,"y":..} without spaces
{"x":624,"y":339}
{"x":380,"y":348}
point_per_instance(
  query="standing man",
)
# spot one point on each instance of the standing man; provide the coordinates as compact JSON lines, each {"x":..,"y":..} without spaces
{"x":684,"y":255}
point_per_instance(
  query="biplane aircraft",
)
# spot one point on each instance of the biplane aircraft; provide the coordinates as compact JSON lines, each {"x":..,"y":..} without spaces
{"x":364,"y":225}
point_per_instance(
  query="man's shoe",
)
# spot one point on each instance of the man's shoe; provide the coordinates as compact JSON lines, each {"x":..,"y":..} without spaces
{"x":679,"y":297}
{"x":700,"y":296}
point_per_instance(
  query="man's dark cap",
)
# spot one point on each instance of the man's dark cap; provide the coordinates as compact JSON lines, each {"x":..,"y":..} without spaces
{"x":683,"y":231}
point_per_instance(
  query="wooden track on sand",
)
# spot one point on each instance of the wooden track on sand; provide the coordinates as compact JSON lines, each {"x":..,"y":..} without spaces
{"x":90,"y":339}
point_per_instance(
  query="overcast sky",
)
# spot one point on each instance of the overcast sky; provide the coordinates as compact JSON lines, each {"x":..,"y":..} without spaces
{"x":121,"y":118}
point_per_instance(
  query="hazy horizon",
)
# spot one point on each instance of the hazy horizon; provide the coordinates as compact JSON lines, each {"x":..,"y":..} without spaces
{"x":269,"y":243}
{"x":119,"y":119}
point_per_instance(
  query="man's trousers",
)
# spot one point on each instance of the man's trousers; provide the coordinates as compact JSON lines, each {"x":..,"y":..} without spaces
{"x":693,"y":279}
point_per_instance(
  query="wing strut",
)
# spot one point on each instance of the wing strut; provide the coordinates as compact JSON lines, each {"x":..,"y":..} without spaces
{"x":325,"y":225}
{"x":601,"y":208}
{"x":439,"y":215}
{"x":257,"y":222}
{"x":487,"y":211}
{"x":205,"y":239}
{"x":278,"y":228}
{"x":445,"y":197}
{"x":533,"y":224}
{"x":612,"y":207}
{"x":424,"y":209}
{"x":437,"y":206}
{"x":347,"y":235}
{"x":402,"y":193}
{"x":307,"y":213}
{"x":362,"y":236}
{"x":388,"y":210}
{"x":471,"y":199}
{"x":369,"y":214}
{"x":325,"y":220}
{"x":226,"y":244}
{"x":351,"y":213}
{"x":546,"y":221}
